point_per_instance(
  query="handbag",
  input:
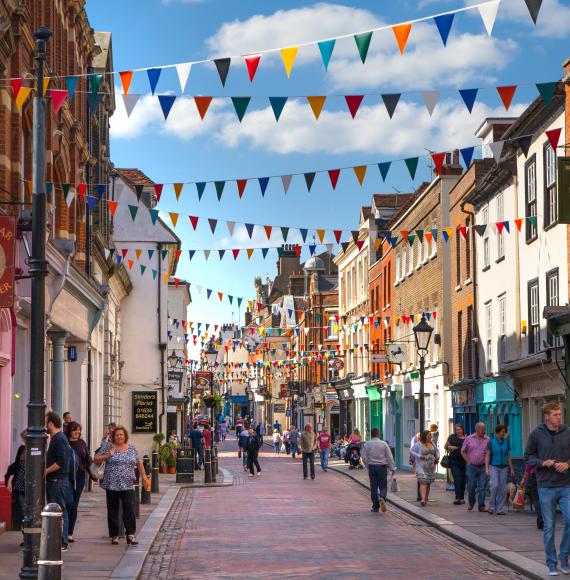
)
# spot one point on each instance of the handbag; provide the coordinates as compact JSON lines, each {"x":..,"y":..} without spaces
{"x":97,"y":471}
{"x":518,"y":501}
{"x":445,"y":462}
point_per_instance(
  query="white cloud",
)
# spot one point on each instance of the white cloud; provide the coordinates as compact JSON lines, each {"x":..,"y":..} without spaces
{"x":553,"y":19}
{"x":371,"y":133}
{"x":241,"y":238}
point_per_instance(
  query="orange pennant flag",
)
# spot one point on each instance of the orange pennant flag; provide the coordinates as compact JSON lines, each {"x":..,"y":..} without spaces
{"x":507,"y":93}
{"x":317,"y":104}
{"x":220,"y":295}
{"x":518,"y":223}
{"x":138,"y":254}
{"x":173,"y":217}
{"x":126,"y":78}
{"x":178,"y":190}
{"x":268,"y":230}
{"x":165,"y":278}
{"x":449,"y":232}
{"x":131,"y":263}
{"x":402,"y":32}
{"x":202,"y":104}
{"x":112,"y":205}
{"x":249,"y":254}
{"x":360,"y":172}
{"x":45,"y":86}
{"x":22,"y":97}
{"x":377,"y":244}
{"x":321,"y":234}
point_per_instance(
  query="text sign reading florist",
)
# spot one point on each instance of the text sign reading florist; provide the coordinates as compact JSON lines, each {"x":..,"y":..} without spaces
{"x":145,"y":412}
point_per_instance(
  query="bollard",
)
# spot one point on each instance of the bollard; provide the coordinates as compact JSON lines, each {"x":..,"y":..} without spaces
{"x":50,"y":562}
{"x":145,"y":495}
{"x":217,"y":460}
{"x":154,"y":478}
{"x":207,"y":465}
{"x":137,"y":498}
{"x":185,"y":465}
{"x":214,"y":463}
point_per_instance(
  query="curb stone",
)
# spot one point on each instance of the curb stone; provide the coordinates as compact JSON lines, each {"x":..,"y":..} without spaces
{"x":521,"y":564}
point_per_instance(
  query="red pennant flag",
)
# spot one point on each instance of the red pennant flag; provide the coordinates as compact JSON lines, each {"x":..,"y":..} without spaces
{"x":297,"y":251}
{"x":500,"y":226}
{"x":124,"y":252}
{"x":126,"y":78}
{"x":241,"y":183}
{"x":554,"y":136}
{"x":57,"y":98}
{"x":235,"y":253}
{"x":268,"y":230}
{"x":252,"y":62}
{"x":178,"y":253}
{"x":177,"y":280}
{"x":82,"y":190}
{"x":337,"y":235}
{"x":428,"y":236}
{"x":158,"y":190}
{"x":463,"y":232}
{"x":334,"y":175}
{"x":193,"y":221}
{"x":16,"y":86}
{"x":518,"y":223}
{"x":112,"y":205}
{"x":438,"y":159}
{"x":507,"y":93}
{"x":353,"y":102}
{"x":404,"y":234}
{"x":202,"y":104}
{"x":434,"y":314}
{"x":131,"y":264}
{"x":359,"y":244}
{"x":220,"y":295}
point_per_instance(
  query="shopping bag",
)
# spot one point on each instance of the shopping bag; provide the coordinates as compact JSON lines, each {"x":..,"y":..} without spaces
{"x":394,"y":485}
{"x":518,"y":501}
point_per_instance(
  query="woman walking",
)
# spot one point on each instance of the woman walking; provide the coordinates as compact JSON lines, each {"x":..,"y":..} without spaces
{"x":15,"y":478}
{"x":276,"y":442}
{"x":73,"y":433}
{"x":427,"y":457}
{"x":457,"y":463}
{"x":121,"y":458}
{"x":498,"y":463}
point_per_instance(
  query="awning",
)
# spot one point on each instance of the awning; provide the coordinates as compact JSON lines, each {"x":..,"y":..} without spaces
{"x":346,"y":394}
{"x":359,"y":391}
{"x":373,"y":393}
{"x":239,"y":399}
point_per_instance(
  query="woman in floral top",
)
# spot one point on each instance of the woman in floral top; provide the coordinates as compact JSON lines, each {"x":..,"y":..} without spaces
{"x":118,"y":482}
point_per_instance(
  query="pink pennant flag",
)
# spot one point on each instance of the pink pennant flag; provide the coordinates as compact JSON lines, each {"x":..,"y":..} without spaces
{"x":58,"y":97}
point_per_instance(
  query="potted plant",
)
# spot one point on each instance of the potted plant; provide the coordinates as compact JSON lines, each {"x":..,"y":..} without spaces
{"x":164,"y":452}
{"x":171,"y":464}
{"x":158,"y":440}
{"x":208,"y":400}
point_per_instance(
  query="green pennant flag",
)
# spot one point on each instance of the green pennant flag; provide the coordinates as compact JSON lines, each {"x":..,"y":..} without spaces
{"x":240,"y":106}
{"x":546,"y":91}
{"x":412,"y":165}
{"x":153,"y":215}
{"x":532,"y":220}
{"x":66,"y":187}
{"x":420,"y":234}
{"x":143,"y":268}
{"x":220,"y":188}
{"x":384,"y":167}
{"x":363,"y":43}
{"x":133,"y":209}
{"x":284,"y":233}
{"x":95,"y":81}
{"x":201,"y":186}
{"x":411,"y":238}
{"x":164,"y":253}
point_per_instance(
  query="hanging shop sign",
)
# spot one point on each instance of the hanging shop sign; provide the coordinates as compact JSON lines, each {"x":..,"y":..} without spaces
{"x":145,"y":411}
{"x":7,"y":256}
{"x":203,"y":381}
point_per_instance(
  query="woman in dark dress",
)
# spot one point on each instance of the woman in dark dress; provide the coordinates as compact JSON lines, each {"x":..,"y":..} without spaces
{"x":457,"y":463}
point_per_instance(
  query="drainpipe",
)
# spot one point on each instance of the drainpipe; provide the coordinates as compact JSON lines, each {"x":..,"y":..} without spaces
{"x":161,"y":345}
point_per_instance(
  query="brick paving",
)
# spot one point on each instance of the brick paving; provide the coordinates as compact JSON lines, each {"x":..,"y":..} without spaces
{"x":279,"y":524}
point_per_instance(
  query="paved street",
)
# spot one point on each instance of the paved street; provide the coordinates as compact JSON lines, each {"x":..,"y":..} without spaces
{"x":279,"y":524}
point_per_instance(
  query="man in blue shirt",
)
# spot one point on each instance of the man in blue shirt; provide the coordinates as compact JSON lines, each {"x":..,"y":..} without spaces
{"x":197,"y":439}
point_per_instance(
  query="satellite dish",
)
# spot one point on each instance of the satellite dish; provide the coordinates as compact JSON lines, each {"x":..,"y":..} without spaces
{"x":396,"y":353}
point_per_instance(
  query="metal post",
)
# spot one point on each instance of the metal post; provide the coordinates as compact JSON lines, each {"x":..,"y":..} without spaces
{"x":154,"y":476}
{"x":36,"y":438}
{"x":214,"y":457}
{"x":145,"y":495}
{"x":50,"y":562}
{"x":207,"y":465}
{"x":422,"y":402}
{"x":137,"y":500}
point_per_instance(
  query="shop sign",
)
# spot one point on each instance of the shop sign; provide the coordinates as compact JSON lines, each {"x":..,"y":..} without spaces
{"x":145,"y":411}
{"x":331,"y":396}
{"x":279,"y":408}
{"x":203,"y":381}
{"x":7,"y":257}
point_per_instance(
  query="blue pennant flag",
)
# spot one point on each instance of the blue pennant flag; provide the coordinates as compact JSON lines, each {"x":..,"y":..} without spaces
{"x":101,"y":190}
{"x":277,"y":104}
{"x":467,"y":154}
{"x":469,"y":96}
{"x":443,"y":23}
{"x":326,"y":47}
{"x":154,"y":274}
{"x":263,"y":182}
{"x":91,"y":201}
{"x":153,"y":76}
{"x":166,"y":102}
{"x":264,"y":251}
{"x":153,"y":215}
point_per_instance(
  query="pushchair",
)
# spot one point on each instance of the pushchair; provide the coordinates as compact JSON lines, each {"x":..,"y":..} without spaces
{"x":352,"y":456}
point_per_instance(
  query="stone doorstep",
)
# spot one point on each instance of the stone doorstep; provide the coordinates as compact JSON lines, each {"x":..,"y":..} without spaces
{"x":521,"y":564}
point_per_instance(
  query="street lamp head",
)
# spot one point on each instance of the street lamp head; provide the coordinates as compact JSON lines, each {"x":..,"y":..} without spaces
{"x":422,"y":334}
{"x":211,"y":354}
{"x":173,"y":359}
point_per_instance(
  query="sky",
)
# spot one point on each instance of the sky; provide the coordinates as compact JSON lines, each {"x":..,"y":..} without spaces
{"x":157,"y":32}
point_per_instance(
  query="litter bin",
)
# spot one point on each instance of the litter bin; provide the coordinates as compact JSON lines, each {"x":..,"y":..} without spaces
{"x":185,"y":465}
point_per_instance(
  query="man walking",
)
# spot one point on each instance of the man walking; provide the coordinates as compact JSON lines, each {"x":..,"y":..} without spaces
{"x":242,"y":442}
{"x":324,"y":440}
{"x":260,"y":430}
{"x":197,"y":446}
{"x":474,"y":451}
{"x":548,"y":449}
{"x":377,"y":456}
{"x":308,"y":448}
{"x":253,"y":453}
{"x":293,"y":440}
{"x":57,"y":470}
{"x":497,"y":463}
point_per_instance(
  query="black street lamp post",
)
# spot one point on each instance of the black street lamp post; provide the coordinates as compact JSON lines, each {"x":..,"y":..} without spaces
{"x":422,"y":334}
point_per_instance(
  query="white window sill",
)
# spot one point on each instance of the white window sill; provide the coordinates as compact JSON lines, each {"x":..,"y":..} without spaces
{"x":468,"y":281}
{"x":425,"y":261}
{"x":433,"y":257}
{"x":458,"y":287}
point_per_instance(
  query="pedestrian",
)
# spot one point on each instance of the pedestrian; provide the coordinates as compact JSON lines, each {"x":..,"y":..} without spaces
{"x":474,"y":450}
{"x":108,"y":435}
{"x":547,"y":450}
{"x":207,"y":434}
{"x":252,"y":446}
{"x":243,"y":440}
{"x":173,"y":437}
{"x":308,"y":448}
{"x":121,"y":458}
{"x":434,"y":430}
{"x":15,"y":477}
{"x":239,"y":427}
{"x":498,"y":462}
{"x":57,"y":471}
{"x":276,"y":426}
{"x":67,"y":419}
{"x":260,"y":430}
{"x":355,"y":437}
{"x":528,"y":483}
{"x":427,"y":457}
{"x":276,"y":442}
{"x":73,"y":434}
{"x":223,"y":430}
{"x":293,"y":440}
{"x":377,"y":456}
{"x":286,"y":441}
{"x":197,"y":439}
{"x":412,"y":461}
{"x":457,"y":463}
{"x":324,"y":440}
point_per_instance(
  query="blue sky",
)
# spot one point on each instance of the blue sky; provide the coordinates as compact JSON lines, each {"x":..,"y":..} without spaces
{"x":154,"y":32}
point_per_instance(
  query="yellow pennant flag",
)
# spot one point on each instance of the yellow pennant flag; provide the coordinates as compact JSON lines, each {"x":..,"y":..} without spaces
{"x":249,"y":252}
{"x":138,"y":254}
{"x":449,"y":232}
{"x":173,"y":218}
{"x":178,"y":190}
{"x":22,"y":97}
{"x":321,"y":234}
{"x":46,"y":85}
{"x":289,"y":55}
{"x":360,"y":172}
{"x":377,"y":244}
{"x":165,"y":278}
{"x":250,"y":304}
{"x":317,"y":104}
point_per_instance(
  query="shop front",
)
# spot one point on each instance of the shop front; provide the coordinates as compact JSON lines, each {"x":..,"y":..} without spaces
{"x":392,"y":404}
{"x":361,"y":407}
{"x":346,"y":401}
{"x":375,"y":408}
{"x":464,"y":404}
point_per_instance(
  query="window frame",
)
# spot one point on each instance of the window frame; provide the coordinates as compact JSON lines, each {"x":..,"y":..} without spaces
{"x":550,"y":193}
{"x":500,"y":218}
{"x":533,"y":328}
{"x":531,"y":232}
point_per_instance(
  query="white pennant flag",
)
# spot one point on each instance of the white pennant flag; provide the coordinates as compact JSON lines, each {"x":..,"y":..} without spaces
{"x":307,"y":331}
{"x":183,"y":71}
{"x":497,"y":149}
{"x":231,"y":226}
{"x":488,"y":12}
{"x":199,"y":288}
{"x":130,"y":101}
{"x":430,"y":99}
{"x":330,"y":248}
{"x":206,"y":254}
{"x":69,"y":197}
{"x":286,"y":180}
{"x":107,"y":253}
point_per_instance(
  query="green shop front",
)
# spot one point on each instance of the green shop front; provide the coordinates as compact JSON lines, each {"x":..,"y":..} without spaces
{"x":374,"y":393}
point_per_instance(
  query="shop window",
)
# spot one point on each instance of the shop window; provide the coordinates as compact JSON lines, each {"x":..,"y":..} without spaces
{"x":530,"y":198}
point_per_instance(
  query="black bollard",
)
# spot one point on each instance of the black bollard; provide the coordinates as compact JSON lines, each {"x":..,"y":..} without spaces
{"x":154,"y":478}
{"x":50,"y":562}
{"x":207,"y":465}
{"x":137,"y":498}
{"x":185,"y":465}
{"x":145,"y":495}
{"x":214,"y":463}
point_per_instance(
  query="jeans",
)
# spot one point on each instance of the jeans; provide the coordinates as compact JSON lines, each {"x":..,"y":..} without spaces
{"x":378,"y":475}
{"x":549,"y":497}
{"x":126,"y":499}
{"x":476,"y":480}
{"x":311,"y":458}
{"x":459,"y":475}
{"x":293,"y":448}
{"x":244,"y":458}
{"x":251,"y":461}
{"x":498,"y":485}
{"x":198,"y":456}
{"x":325,"y":458}
{"x":76,"y":493}
{"x":277,"y":447}
{"x":57,"y":491}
